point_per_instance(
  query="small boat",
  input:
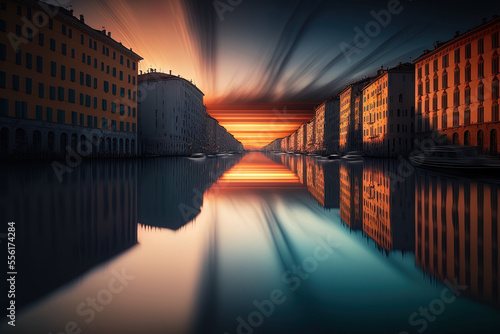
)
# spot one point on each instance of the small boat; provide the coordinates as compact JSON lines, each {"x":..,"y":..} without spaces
{"x":354,"y":155}
{"x":455,"y":157}
{"x":334,"y":157}
{"x":198,"y":156}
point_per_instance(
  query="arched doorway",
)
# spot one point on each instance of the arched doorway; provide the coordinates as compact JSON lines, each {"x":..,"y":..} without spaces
{"x":480,"y":140}
{"x":121,"y":146}
{"x":467,"y":138}
{"x":4,"y":141}
{"x":108,"y":145}
{"x":456,"y":140}
{"x":493,"y":141}
{"x":74,"y":139}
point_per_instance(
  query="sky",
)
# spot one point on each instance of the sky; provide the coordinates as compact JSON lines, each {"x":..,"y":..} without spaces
{"x":264,"y":65}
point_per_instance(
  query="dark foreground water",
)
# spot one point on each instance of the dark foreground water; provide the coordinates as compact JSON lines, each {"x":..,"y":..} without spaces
{"x":253,"y":244}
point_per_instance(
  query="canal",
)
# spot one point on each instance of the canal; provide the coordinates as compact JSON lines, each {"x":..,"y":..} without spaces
{"x":260,"y":243}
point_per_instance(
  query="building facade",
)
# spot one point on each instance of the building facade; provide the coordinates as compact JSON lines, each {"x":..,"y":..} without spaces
{"x":388,"y":112}
{"x":350,"y":125}
{"x":64,"y":86}
{"x":458,"y":89}
{"x":174,"y":121}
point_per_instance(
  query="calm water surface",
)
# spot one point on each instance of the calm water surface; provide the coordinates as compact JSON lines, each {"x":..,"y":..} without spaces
{"x":252,"y":244}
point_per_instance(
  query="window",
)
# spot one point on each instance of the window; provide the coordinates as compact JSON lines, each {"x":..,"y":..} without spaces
{"x":4,"y":107}
{"x":480,"y":46}
{"x":468,"y":52}
{"x":3,"y":79}
{"x":133,"y":64}
{"x":494,"y":64}
{"x":122,"y":126}
{"x":63,"y":49}
{"x":29,"y":86}
{"x":29,"y":61}
{"x":83,"y":57}
{"x":95,"y":62}
{"x":87,"y":101}
{"x":73,"y":75}
{"x":467,"y":95}
{"x":113,"y":89}
{"x":122,"y":109}
{"x":61,"y":116}
{"x":41,"y":39}
{"x":456,"y":98}
{"x":457,"y":75}
{"x":456,"y":118}
{"x":60,"y":93}
{"x":52,"y":92}
{"x":95,"y":83}
{"x":82,"y":119}
{"x":467,"y":73}
{"x":106,"y":86}
{"x":419,"y":73}
{"x":128,"y":63}
{"x":82,"y":99}
{"x":105,"y":123}
{"x":480,"y":114}
{"x":19,"y":57}
{"x":121,"y":75}
{"x":114,"y":72}
{"x":70,"y":33}
{"x":495,"y":88}
{"x":89,"y":60}
{"x":72,"y":53}
{"x":444,"y":83}
{"x":51,"y":24}
{"x":39,"y":113}
{"x":444,"y":101}
{"x":113,"y":107}
{"x":467,"y":116}
{"x":82,"y":39}
{"x":53,"y":68}
{"x":113,"y":125}
{"x":104,"y":105}
{"x":39,"y":64}
{"x":420,"y":90}
{"x":82,"y":78}
{"x":436,"y":83}
{"x":95,"y":102}
{"x":480,"y":69}
{"x":446,"y":61}
{"x":427,"y":86}
{"x":114,"y":55}
{"x":128,"y":127}
{"x":3,"y":26}
{"x":15,"y":82}
{"x":71,"y":95}
{"x":435,"y":102}
{"x":90,"y":43}
{"x":457,"y":56}
{"x":494,"y":40}
{"x":21,"y":109}
{"x":133,"y":81}
{"x":122,"y":92}
{"x":133,"y":127}
{"x":89,"y":121}
{"x":74,"y":118}
{"x":52,"y":44}
{"x":121,"y":60}
{"x":133,"y":112}
{"x":48,"y":115}
{"x":480,"y":91}
{"x":495,"y":113}
{"x":41,"y":90}
{"x":18,"y":30}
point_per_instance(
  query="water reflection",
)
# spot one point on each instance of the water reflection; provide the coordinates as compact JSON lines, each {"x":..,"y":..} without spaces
{"x":64,"y":229}
{"x":453,"y":231}
{"x":171,"y":189}
{"x":457,"y":232}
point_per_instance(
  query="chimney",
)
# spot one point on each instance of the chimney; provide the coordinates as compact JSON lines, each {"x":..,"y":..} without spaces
{"x":71,"y":12}
{"x":82,"y":19}
{"x":170,"y":72}
{"x":109,"y":34}
{"x":104,"y":32}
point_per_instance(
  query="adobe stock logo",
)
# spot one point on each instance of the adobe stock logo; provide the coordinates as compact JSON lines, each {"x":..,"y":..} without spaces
{"x":362,"y":39}
{"x":223,"y":6}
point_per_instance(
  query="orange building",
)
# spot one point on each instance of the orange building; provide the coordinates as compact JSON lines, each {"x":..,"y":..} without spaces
{"x":351,"y":196}
{"x":350,"y":126}
{"x":388,"y":112}
{"x":457,"y":234}
{"x":63,"y":85}
{"x":458,"y":88}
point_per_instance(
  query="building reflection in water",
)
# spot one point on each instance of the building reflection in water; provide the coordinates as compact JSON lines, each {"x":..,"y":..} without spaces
{"x":388,"y":205}
{"x":64,"y":229}
{"x":171,"y":189}
{"x":457,"y":232}
{"x":351,"y":192}
{"x":451,"y":224}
